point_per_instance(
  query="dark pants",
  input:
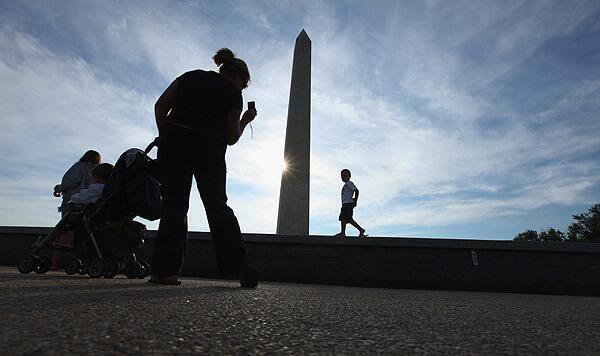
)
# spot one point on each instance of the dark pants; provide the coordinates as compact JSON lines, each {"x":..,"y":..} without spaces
{"x":346,"y":212}
{"x":181,"y":156}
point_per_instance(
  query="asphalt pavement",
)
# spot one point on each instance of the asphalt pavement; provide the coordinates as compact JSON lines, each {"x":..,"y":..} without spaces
{"x":55,"y":314}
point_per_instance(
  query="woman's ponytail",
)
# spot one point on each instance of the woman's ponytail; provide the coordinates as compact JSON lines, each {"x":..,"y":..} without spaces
{"x":223,"y":56}
{"x":225,"y":59}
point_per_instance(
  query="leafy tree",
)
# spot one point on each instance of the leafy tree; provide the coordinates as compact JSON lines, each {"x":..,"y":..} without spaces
{"x":527,"y":235}
{"x":552,"y":235}
{"x":545,"y":235}
{"x":585,"y":229}
{"x":587,"y":226}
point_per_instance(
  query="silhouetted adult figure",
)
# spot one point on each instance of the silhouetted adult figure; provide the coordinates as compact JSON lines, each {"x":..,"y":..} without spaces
{"x":197,"y":117}
{"x":76,"y":178}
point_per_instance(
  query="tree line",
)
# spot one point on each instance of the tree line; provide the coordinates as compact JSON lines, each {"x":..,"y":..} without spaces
{"x":586,"y":228}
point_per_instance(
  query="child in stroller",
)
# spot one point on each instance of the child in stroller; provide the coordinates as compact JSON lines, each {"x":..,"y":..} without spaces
{"x":106,"y":239}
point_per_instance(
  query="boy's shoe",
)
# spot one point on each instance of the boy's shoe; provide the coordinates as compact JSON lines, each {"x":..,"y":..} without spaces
{"x":362,"y":233}
{"x":339,"y":235}
{"x":249,"y":278}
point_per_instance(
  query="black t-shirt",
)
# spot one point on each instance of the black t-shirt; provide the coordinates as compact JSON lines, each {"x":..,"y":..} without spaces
{"x":203,"y":100}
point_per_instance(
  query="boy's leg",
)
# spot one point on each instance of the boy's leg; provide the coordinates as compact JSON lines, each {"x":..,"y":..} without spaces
{"x":64,"y":240}
{"x":81,"y":242}
{"x":361,"y":231}
{"x":343,"y":228}
{"x":345,"y":215}
{"x":55,"y":262}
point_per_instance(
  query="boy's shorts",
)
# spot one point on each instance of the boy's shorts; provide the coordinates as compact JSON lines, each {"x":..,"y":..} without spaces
{"x":346,"y":212}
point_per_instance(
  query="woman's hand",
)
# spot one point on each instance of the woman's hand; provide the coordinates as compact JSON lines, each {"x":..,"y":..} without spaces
{"x":249,"y":116}
{"x":235,"y":125}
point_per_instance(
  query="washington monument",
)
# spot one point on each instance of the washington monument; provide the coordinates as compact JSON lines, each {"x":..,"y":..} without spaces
{"x":294,"y":195}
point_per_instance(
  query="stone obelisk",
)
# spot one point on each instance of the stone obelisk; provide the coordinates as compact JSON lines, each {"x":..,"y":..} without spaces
{"x":295,"y":179}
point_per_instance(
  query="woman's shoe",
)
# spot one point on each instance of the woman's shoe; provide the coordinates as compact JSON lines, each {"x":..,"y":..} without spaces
{"x":249,"y":278}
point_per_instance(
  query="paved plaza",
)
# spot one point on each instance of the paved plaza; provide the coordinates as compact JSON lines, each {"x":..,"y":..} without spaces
{"x":55,"y":314}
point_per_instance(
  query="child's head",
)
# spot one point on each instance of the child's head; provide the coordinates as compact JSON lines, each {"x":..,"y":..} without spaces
{"x":345,"y":173}
{"x":101,"y":173}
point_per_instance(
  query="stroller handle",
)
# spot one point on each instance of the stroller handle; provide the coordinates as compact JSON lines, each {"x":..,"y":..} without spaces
{"x":151,"y":146}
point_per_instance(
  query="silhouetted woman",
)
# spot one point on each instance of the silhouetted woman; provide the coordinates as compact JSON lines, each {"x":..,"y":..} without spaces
{"x":197,"y":117}
{"x":76,"y":178}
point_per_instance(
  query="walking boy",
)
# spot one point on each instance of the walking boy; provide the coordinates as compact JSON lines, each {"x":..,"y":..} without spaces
{"x":349,"y":199}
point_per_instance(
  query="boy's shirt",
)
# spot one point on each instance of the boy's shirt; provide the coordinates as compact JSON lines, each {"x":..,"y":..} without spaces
{"x":347,"y":192}
{"x":89,"y":195}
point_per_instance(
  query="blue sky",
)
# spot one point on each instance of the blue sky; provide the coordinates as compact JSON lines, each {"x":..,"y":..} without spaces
{"x":458,"y":119}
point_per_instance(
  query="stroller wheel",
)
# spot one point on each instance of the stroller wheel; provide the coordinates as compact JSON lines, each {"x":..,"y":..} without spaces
{"x":42,"y":265}
{"x":132,"y":269}
{"x":83,"y":269}
{"x":111,"y":268}
{"x":96,"y":268}
{"x":26,"y":264}
{"x":144,"y":270}
{"x":73,"y":266}
{"x":129,"y":257}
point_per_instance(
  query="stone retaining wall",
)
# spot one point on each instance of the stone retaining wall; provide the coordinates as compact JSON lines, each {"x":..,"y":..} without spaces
{"x":478,"y":265}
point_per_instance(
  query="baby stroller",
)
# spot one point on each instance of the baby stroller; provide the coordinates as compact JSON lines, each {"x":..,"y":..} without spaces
{"x":106,"y":239}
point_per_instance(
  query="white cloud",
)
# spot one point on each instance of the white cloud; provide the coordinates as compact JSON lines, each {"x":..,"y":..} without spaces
{"x":54,"y":109}
{"x":401,"y":101}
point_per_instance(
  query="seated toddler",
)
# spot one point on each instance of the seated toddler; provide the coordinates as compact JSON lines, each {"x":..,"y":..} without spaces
{"x":91,"y":194}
